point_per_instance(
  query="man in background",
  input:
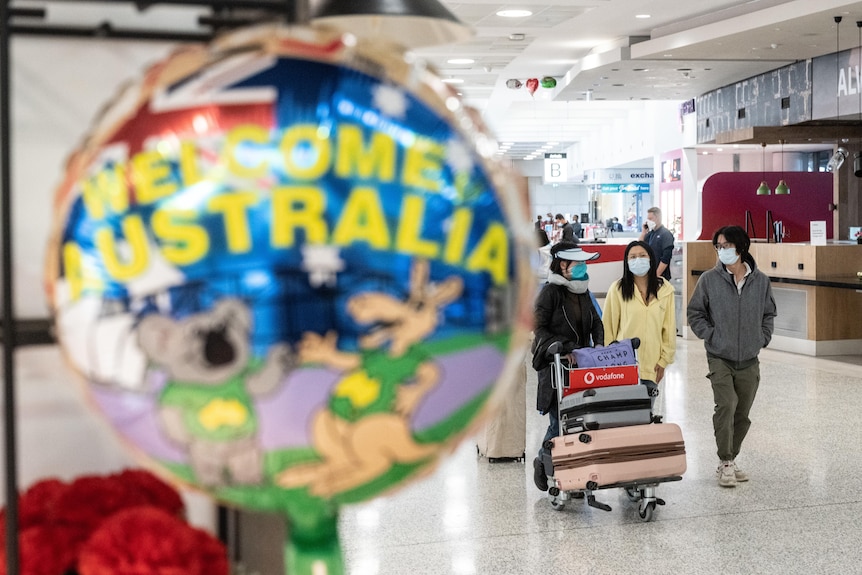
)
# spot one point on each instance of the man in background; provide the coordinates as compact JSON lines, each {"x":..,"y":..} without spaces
{"x":567,"y":232}
{"x":576,"y":227}
{"x":660,"y":239}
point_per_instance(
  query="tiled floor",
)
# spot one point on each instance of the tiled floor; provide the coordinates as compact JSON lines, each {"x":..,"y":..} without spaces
{"x":801,"y":512}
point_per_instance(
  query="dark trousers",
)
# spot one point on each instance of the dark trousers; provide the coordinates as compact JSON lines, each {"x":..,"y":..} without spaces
{"x":552,"y":432}
{"x":734,"y":390}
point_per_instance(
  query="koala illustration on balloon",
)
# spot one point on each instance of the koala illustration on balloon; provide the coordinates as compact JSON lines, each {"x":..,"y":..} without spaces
{"x":365,"y":428}
{"x":206,"y":406}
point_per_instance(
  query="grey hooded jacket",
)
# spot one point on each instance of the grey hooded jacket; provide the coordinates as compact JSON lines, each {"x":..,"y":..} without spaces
{"x":733,"y":325}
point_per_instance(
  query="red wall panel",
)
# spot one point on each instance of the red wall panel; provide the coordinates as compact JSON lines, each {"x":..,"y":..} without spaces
{"x":727,"y":195}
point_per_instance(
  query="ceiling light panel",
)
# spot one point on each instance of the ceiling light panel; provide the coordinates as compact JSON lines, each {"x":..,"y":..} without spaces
{"x":514,"y":13}
{"x":544,"y":16}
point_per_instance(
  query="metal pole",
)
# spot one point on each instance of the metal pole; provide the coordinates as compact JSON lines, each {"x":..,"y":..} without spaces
{"x":9,"y":422}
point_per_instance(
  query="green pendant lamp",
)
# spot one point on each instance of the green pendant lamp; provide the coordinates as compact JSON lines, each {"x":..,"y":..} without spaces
{"x":782,"y":189}
{"x":763,"y":189}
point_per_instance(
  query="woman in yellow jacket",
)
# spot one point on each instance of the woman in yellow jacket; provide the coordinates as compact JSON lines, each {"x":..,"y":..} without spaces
{"x":641,"y":304}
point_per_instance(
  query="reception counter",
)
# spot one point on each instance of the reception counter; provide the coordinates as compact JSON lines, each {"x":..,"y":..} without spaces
{"x":817,"y":292}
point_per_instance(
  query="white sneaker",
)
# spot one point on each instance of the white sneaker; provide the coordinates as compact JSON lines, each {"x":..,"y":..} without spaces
{"x":739,"y":474}
{"x":726,"y":476}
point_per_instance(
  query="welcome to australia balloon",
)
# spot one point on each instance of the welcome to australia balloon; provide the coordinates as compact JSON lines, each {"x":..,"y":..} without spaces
{"x":289,"y":272}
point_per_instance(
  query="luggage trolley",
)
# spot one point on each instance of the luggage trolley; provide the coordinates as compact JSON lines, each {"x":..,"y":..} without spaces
{"x":642,"y":468}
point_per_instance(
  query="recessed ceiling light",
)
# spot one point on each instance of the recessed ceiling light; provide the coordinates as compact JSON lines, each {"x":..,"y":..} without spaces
{"x":642,"y":16}
{"x":514,"y":13}
{"x":517,"y":37}
{"x":705,"y":153}
{"x":460,"y":61}
{"x":453,"y":80}
{"x":719,"y":149}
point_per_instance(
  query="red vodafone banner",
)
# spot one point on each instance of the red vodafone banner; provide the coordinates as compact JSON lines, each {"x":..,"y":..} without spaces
{"x":581,"y":379}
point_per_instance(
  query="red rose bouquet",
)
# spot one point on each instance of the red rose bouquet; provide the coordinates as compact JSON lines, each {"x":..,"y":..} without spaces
{"x":126,"y":523}
{"x":148,"y":540}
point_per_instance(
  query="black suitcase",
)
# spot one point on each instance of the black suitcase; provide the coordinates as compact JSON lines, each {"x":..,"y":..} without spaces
{"x":605,"y":407}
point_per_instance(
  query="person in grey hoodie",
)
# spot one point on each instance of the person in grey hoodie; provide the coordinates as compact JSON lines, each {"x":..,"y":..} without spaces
{"x":732,"y":310}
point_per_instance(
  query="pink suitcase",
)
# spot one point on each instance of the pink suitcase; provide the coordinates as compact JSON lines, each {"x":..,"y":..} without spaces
{"x":620,"y":455}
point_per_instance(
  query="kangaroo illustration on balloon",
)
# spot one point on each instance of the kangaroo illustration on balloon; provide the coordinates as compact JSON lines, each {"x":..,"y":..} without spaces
{"x":365,"y":428}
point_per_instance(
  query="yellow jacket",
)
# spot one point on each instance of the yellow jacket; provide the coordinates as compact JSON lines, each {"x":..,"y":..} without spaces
{"x":654,"y":324}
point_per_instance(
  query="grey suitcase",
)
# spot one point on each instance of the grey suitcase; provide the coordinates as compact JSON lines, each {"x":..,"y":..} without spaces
{"x":605,"y":407}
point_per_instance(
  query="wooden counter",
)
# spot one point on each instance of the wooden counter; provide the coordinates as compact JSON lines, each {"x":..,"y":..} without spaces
{"x":818,"y":295}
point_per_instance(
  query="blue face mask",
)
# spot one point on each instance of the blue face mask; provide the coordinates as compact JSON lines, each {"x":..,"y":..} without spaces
{"x":578,"y":271}
{"x":638,"y":266}
{"x":728,"y":256}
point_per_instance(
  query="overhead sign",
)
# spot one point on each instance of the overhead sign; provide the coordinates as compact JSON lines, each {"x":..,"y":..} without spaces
{"x":556,"y":168}
{"x":835,"y":85}
{"x":620,"y":176}
{"x":625,"y":188}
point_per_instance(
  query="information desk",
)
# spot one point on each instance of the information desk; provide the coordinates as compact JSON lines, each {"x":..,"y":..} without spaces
{"x":816,"y":290}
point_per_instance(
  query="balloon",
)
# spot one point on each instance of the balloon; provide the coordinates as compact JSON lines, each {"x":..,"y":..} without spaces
{"x":290,"y":294}
{"x":548,"y":82}
{"x":532,"y":85}
{"x":513,"y":83}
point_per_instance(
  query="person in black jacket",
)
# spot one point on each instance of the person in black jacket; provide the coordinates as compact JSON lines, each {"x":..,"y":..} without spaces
{"x":660,"y":240}
{"x":564,"y":312}
{"x":567,"y":231}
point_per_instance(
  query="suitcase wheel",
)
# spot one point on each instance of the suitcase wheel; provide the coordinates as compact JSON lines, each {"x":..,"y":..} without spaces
{"x":585,"y":438}
{"x":646,"y":514}
{"x":592,"y":485}
{"x":590,"y":393}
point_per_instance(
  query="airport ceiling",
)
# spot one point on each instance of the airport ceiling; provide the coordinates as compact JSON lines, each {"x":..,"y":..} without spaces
{"x":607,"y":57}
{"x":607,"y":54}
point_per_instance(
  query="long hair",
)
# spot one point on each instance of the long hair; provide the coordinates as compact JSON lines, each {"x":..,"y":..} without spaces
{"x":627,"y":282}
{"x":542,"y":237}
{"x":738,"y":237}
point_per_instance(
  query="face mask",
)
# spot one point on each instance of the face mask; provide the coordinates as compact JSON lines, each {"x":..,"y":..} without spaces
{"x":650,"y":224}
{"x":579,"y":271}
{"x":638,"y":266}
{"x":728,"y":256}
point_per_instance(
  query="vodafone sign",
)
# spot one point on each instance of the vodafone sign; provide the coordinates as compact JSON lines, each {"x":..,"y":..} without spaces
{"x":580,"y":379}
